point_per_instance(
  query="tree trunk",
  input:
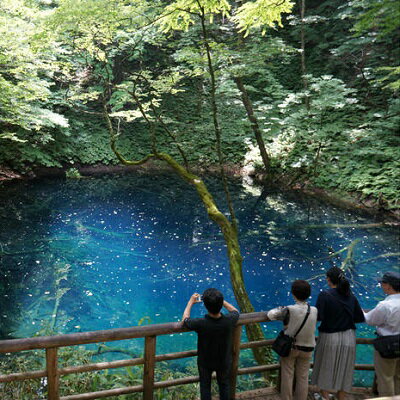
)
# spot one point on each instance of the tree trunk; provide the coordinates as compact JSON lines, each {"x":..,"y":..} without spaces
{"x":217,"y":128}
{"x":254,"y":123}
{"x":254,"y":332}
{"x":302,"y":5}
{"x":250,"y":112}
{"x":228,"y":228}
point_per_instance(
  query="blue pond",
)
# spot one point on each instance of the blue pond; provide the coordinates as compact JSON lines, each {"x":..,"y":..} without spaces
{"x":116,"y":251}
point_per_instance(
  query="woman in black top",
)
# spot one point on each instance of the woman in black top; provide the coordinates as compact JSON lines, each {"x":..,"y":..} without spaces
{"x":338,"y":311}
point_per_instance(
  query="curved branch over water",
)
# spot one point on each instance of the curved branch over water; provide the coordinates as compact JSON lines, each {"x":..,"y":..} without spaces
{"x":229,"y":231}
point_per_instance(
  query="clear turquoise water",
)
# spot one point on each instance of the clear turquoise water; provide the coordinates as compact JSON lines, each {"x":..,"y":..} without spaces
{"x":125,"y":250}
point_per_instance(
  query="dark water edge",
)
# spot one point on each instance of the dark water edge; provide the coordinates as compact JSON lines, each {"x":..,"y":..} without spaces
{"x":349,"y":201}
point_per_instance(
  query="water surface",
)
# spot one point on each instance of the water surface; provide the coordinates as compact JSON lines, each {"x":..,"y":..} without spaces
{"x":116,"y":251}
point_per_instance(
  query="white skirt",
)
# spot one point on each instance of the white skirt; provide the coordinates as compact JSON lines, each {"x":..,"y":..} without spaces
{"x":334,"y":358}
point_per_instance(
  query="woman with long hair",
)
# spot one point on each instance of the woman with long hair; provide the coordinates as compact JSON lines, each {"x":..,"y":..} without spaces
{"x":335,"y":353}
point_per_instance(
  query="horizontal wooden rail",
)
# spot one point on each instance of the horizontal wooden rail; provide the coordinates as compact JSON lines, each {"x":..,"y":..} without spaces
{"x":109,"y":335}
{"x":150,"y":333}
{"x":140,"y":361}
{"x":74,"y":370}
{"x":182,"y":381}
{"x":104,"y":393}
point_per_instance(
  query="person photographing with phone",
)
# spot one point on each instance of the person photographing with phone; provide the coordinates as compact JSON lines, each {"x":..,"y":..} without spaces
{"x":214,"y":340}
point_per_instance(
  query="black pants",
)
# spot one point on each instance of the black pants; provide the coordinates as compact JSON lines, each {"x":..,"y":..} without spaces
{"x":205,"y":383}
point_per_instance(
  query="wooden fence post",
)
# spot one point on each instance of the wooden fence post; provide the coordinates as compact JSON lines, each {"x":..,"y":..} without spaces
{"x":149,"y":364}
{"x":236,"y":337}
{"x":53,"y":376}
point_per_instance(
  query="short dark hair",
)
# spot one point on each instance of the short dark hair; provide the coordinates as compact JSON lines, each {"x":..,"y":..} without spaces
{"x":301,"y":289}
{"x":213,"y":299}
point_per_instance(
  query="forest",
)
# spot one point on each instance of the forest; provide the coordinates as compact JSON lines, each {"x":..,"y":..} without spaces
{"x":300,"y":94}
{"x":303,"y":93}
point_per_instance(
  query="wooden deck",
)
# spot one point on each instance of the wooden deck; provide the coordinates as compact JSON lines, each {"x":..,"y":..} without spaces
{"x":53,"y":371}
{"x":273,"y":394}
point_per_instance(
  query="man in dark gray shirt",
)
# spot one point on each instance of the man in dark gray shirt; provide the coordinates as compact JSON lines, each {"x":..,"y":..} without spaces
{"x":214,"y":343}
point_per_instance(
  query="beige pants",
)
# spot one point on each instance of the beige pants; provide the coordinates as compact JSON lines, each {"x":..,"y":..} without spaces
{"x":387,"y":374}
{"x":297,"y":364}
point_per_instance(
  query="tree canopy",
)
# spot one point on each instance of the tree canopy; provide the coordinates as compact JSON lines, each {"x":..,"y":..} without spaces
{"x":312,"y":86}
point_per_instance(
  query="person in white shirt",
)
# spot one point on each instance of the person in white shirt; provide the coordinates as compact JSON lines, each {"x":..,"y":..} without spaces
{"x":386,"y":317}
{"x":297,"y":363}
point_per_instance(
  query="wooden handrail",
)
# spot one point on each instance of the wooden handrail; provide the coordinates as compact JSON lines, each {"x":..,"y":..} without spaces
{"x":109,"y":335}
{"x":150,"y":333}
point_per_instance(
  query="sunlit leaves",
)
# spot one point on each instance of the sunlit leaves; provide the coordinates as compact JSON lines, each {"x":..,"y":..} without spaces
{"x":326,"y":93}
{"x":180,"y":14}
{"x":26,"y":69}
{"x":167,"y":83}
{"x":145,"y":88}
{"x":89,"y":23}
{"x":392,"y":78}
{"x":335,"y":145}
{"x":98,"y":26}
{"x":11,"y":136}
{"x":261,"y":13}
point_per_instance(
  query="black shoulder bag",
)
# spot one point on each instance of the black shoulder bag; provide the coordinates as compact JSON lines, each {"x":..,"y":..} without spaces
{"x":388,"y":346}
{"x":284,"y":343}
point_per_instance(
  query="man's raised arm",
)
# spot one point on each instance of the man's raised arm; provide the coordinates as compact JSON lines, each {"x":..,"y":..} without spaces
{"x":193,"y":299}
{"x":229,"y":307}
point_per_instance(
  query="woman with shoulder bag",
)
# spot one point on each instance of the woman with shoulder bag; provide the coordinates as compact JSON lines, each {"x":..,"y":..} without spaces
{"x":335,"y":353}
{"x":299,"y":323}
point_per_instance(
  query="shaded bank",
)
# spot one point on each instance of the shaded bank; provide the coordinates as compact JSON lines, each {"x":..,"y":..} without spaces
{"x":351,"y":201}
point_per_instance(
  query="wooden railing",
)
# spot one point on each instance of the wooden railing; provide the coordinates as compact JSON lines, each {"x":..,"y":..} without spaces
{"x":149,"y":333}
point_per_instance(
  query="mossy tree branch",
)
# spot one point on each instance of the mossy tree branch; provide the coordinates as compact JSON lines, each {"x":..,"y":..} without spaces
{"x":160,"y":121}
{"x":229,"y":231}
{"x":214,"y":108}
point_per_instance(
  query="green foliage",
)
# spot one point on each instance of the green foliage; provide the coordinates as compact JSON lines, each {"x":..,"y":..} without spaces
{"x":180,"y":14}
{"x":391,"y":78}
{"x":63,"y":59}
{"x":89,"y":381}
{"x":382,"y":14}
{"x":73,"y":173}
{"x":92,"y":23}
{"x":25,"y":75}
{"x":334,"y":147}
{"x":261,"y":13}
{"x":107,"y":379}
{"x":382,"y":17}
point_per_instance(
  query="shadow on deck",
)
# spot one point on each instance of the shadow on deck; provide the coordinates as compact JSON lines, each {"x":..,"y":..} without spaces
{"x":273,"y":394}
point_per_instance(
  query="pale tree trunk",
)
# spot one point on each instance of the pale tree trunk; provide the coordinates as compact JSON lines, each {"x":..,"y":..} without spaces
{"x":248,"y":105}
{"x":254,"y":123}
{"x":302,"y":6}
